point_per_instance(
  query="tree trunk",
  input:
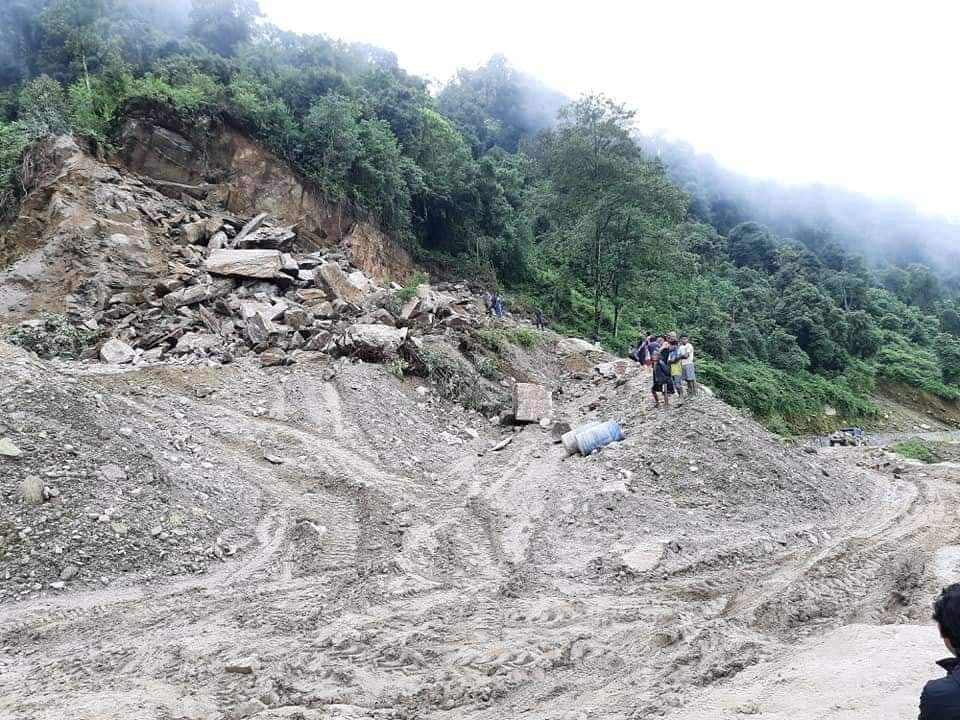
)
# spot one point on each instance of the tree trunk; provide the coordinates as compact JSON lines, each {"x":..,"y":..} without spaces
{"x":596,"y":284}
{"x":86,"y":74}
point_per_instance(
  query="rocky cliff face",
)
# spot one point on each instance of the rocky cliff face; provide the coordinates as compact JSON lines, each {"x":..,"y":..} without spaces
{"x":82,"y":233}
{"x":221,"y":163}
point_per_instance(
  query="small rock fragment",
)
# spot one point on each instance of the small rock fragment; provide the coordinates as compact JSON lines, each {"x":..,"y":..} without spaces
{"x":243,"y":666}
{"x":272,"y":356}
{"x":69,"y":572}
{"x":8,"y":449}
{"x":31,"y":490}
{"x":248,"y":709}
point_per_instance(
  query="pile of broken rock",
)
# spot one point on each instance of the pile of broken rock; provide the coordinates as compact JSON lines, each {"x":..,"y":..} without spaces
{"x":234,"y":291}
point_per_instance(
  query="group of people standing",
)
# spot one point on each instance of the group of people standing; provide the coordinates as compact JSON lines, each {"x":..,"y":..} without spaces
{"x":493,"y":303}
{"x":670,"y":357}
{"x":494,"y":306}
{"x":672,"y":361}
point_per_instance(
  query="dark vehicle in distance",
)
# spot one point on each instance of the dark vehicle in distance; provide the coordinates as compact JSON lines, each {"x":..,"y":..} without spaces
{"x":851,"y":436}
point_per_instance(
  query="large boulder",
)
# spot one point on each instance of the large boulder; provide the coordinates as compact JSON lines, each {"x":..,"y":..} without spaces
{"x":198,"y":233}
{"x":532,"y":402}
{"x":197,"y":293}
{"x":194,"y":341}
{"x":272,"y":357}
{"x":185,"y":296}
{"x":267,"y":237}
{"x":332,"y":277}
{"x":575,"y":346}
{"x":244,"y":263}
{"x":459,"y":321}
{"x":249,"y":309}
{"x":298,"y":318}
{"x":320,"y":341}
{"x":359,"y":281}
{"x":411,"y":308}
{"x":426,"y":301}
{"x":371,"y":342}
{"x":258,"y":327}
{"x":252,"y":225}
{"x":116,"y":352}
{"x":613,"y":369}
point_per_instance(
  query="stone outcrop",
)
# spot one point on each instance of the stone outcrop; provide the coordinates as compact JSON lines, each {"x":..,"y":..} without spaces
{"x":250,"y":179}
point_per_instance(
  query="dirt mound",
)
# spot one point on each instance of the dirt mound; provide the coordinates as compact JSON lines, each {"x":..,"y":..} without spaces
{"x":120,"y":497}
{"x":698,"y":485}
{"x":390,"y":561}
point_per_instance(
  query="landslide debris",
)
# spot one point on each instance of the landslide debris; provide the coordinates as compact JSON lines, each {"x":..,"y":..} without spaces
{"x":115,"y":497}
{"x":278,"y":486}
{"x":152,"y":278}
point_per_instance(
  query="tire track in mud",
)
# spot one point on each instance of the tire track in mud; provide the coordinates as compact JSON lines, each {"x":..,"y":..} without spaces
{"x":871,"y":576}
{"x":798,"y":564}
{"x":296,"y":497}
{"x":435,"y":635}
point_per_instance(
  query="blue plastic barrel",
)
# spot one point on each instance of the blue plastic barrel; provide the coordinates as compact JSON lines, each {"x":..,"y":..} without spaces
{"x":596,"y":437}
{"x":569,"y":439}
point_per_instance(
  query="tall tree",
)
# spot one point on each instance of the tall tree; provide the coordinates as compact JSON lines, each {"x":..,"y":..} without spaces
{"x":75,"y":21}
{"x":605,"y":196}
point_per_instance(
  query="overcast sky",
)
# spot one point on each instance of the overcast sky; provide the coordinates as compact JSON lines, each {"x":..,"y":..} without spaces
{"x":858,"y":94}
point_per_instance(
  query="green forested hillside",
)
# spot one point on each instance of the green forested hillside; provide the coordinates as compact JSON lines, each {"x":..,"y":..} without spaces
{"x":883,"y":230}
{"x":491,"y":178}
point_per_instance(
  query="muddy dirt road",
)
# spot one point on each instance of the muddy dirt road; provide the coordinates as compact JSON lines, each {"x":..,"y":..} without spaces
{"x":380,"y":569}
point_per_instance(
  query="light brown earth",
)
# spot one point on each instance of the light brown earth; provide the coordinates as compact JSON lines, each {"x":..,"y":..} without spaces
{"x":382,"y":572}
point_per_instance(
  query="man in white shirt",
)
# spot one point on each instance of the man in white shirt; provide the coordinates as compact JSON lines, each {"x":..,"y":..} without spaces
{"x":689,"y":373}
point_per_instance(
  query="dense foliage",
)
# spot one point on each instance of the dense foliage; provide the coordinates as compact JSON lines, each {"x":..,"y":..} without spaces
{"x":500,"y":179}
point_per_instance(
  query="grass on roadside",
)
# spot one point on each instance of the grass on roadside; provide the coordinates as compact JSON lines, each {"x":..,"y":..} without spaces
{"x":916,"y":449}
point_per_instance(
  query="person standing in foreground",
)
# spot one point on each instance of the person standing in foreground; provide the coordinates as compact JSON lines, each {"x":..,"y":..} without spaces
{"x":688,"y":369}
{"x":940,"y":699}
{"x":661,"y":378}
{"x":541,"y":321}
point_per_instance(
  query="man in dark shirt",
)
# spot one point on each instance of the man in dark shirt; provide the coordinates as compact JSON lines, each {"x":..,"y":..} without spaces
{"x":662,"y":382}
{"x":940,"y":699}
